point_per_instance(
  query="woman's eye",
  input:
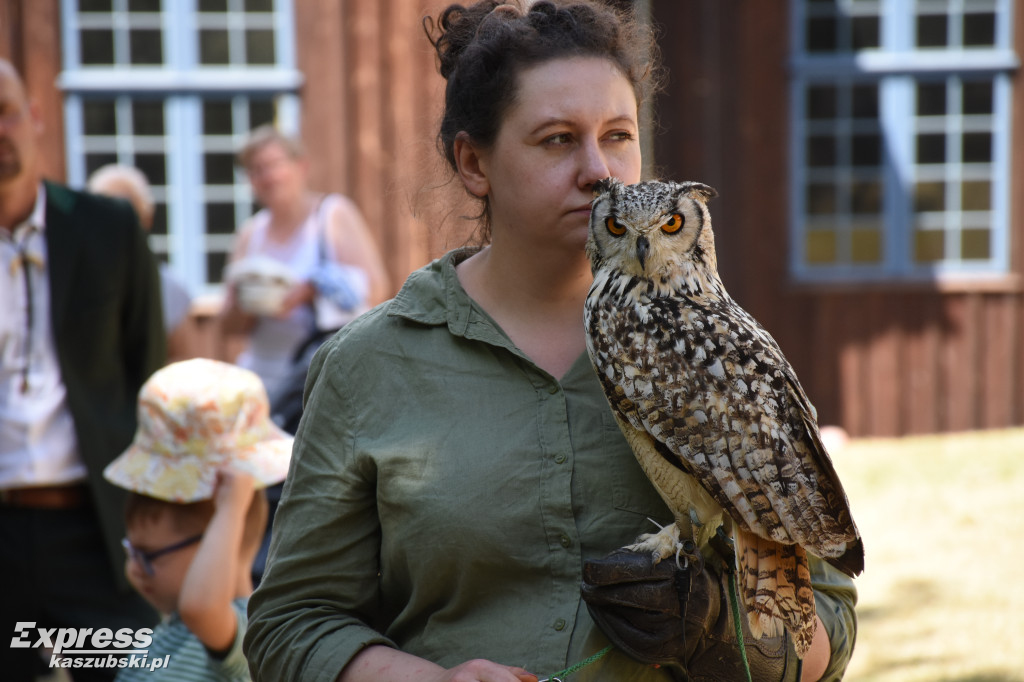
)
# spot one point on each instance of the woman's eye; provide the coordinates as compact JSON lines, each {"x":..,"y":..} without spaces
{"x":561,"y":138}
{"x":673,"y":224}
{"x":615,"y":228}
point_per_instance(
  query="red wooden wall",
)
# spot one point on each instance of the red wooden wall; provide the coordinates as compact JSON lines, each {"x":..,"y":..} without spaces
{"x":882,"y":359}
{"x":877,"y":360}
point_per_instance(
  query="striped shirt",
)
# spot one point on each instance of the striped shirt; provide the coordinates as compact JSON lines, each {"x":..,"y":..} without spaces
{"x":176,"y":654}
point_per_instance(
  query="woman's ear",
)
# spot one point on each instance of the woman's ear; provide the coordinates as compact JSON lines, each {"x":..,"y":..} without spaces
{"x":471,"y":166}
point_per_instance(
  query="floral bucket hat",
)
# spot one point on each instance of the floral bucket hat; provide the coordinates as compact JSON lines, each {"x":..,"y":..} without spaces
{"x":195,"y":417}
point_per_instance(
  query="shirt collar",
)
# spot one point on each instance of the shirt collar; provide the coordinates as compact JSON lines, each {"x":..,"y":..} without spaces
{"x":434,"y":296}
{"x":36,"y":220}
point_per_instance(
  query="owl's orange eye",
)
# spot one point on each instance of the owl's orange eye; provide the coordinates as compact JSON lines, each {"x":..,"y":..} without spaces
{"x":673,"y":224}
{"x":614,"y":227}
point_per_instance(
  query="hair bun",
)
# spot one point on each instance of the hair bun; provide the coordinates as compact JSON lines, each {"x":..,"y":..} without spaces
{"x":458,"y":26}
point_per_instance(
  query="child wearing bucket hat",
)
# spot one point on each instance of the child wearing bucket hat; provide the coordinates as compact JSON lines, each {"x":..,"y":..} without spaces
{"x":204,"y":451}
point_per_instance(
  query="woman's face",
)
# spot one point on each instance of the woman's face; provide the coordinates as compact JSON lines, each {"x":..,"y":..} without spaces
{"x":277,"y":177}
{"x":573,"y":122}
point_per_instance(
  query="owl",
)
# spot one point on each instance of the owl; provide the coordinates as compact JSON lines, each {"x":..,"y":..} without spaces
{"x":711,"y":408}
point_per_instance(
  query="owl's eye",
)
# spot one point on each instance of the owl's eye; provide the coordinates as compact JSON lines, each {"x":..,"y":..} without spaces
{"x":673,"y":224}
{"x":613,"y":227}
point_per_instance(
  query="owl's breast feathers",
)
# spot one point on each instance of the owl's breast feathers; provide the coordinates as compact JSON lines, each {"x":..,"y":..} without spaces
{"x":709,"y":384}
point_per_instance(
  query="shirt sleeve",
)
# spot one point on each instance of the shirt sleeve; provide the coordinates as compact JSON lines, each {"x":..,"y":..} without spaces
{"x":835,"y":597}
{"x":231,"y":663}
{"x":312,"y":612}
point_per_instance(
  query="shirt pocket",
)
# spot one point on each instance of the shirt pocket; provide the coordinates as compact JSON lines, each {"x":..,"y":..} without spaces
{"x":632,"y":491}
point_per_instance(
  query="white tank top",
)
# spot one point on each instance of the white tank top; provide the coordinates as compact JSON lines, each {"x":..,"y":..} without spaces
{"x":274,"y":341}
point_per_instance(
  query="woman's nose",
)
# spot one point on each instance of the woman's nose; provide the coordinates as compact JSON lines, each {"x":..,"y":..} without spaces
{"x":593,"y":165}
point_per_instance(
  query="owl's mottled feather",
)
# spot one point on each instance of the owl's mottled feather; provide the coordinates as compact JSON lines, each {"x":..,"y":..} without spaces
{"x":709,"y":404}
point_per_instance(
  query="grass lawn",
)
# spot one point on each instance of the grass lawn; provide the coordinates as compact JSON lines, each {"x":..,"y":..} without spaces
{"x":942,"y":595}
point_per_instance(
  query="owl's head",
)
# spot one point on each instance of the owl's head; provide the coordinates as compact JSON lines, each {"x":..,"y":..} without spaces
{"x":651,"y":229}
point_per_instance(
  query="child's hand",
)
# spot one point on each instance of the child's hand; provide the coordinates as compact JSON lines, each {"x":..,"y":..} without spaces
{"x":233,"y":489}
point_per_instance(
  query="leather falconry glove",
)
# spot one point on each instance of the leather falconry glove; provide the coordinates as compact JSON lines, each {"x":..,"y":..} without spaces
{"x":677,"y":615}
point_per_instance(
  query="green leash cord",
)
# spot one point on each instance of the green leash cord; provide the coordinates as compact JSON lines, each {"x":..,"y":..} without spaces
{"x":735,"y":607}
{"x":557,"y":677}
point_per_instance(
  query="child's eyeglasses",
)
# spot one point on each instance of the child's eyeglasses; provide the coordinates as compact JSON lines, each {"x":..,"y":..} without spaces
{"x":145,"y":559}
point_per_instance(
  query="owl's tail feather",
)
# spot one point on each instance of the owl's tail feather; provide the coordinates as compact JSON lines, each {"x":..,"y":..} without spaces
{"x":775,"y":587}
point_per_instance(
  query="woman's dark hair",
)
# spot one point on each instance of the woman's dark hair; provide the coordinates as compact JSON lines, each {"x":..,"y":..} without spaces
{"x":483,"y":48}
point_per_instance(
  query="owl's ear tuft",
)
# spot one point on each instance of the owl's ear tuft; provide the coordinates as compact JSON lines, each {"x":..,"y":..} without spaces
{"x":705,"y":192}
{"x":606,"y":185}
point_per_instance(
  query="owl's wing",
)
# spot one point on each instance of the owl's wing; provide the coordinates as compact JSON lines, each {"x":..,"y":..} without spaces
{"x":713,"y":388}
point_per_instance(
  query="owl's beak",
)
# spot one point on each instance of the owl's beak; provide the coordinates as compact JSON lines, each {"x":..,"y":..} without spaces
{"x":643,"y":247}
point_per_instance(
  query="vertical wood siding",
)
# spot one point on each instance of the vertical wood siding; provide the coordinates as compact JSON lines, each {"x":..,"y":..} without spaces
{"x":876,"y":360}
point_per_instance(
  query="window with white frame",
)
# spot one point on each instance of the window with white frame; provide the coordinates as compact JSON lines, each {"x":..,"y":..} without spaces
{"x":900,"y":139}
{"x":172,"y":87}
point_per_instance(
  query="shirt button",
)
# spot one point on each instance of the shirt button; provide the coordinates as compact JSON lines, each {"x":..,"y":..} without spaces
{"x":560,"y":458}
{"x":559,"y":624}
{"x":552,"y":389}
{"x":565,"y":541}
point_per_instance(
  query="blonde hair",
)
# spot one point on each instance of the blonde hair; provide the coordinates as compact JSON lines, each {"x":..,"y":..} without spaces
{"x":263,"y":135}
{"x":125,"y":182}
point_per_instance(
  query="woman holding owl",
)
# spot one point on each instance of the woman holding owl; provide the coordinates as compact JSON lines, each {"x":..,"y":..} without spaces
{"x":458,"y":463}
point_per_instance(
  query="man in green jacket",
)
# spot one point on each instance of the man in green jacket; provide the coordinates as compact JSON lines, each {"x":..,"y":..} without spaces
{"x":80,"y":331}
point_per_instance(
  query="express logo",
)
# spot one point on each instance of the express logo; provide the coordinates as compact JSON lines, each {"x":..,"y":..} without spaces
{"x":78,"y":647}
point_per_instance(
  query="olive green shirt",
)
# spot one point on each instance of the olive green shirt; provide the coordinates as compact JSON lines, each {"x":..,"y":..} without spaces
{"x":444,"y":492}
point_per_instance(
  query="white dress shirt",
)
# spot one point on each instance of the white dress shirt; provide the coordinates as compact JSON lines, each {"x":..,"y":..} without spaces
{"x":37,"y":435}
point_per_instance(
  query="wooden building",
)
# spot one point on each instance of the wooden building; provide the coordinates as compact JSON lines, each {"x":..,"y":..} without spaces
{"x":869,"y":182}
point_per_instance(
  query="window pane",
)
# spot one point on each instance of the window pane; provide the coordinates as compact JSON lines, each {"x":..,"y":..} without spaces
{"x":217,"y":117}
{"x":975,"y":244}
{"x":976,"y":195}
{"x":213,"y":5}
{"x":866,"y":149}
{"x":931,"y":30}
{"x":866,"y":245}
{"x":220,"y":218}
{"x":220,"y":168}
{"x":866,"y":197}
{"x":979,"y":30}
{"x":259,"y":5}
{"x":865,"y":101}
{"x":153,"y":166}
{"x":821,"y":102}
{"x":929,"y":245}
{"x":261,"y":111}
{"x":931,"y":148}
{"x":215,"y":263}
{"x":95,"y":6}
{"x":977,"y":97}
{"x":146,"y":46}
{"x":821,"y":150}
{"x":213,"y":47}
{"x":259,"y":47}
{"x":931,"y":99}
{"x":821,"y":247}
{"x":977,"y":147}
{"x":929,"y":196}
{"x":97,"y":46}
{"x":143,"y":5}
{"x":159,"y":218}
{"x":865,"y":33}
{"x":821,"y":34}
{"x":821,"y":199}
{"x":148,"y":117}
{"x":96,"y":161}
{"x":99,"y":117}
